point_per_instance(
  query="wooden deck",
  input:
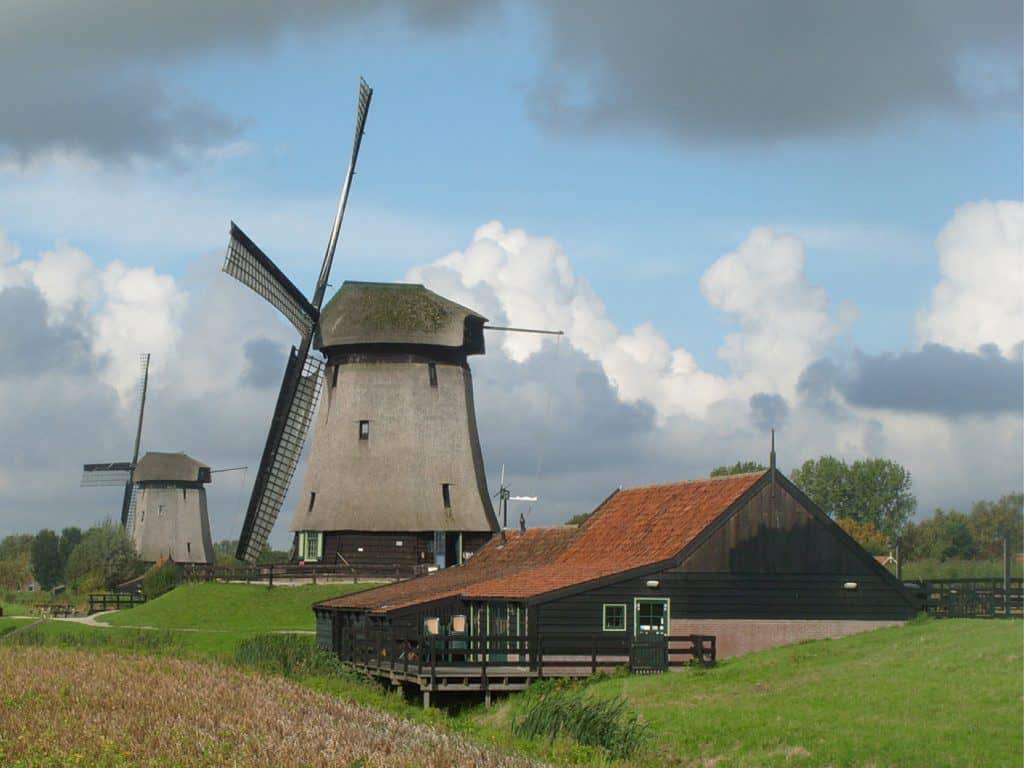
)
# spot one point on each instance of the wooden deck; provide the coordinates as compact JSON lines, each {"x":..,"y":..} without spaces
{"x":473,"y":664}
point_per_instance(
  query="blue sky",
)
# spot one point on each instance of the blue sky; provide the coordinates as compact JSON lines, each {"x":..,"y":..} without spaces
{"x":476,"y":117}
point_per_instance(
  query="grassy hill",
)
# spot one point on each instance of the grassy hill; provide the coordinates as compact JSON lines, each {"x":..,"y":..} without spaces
{"x":933,"y":693}
{"x":232,"y":607}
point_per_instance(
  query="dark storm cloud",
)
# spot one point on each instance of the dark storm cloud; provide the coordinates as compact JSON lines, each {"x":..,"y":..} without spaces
{"x":265,"y":361}
{"x":768,"y":411}
{"x":935,"y":379}
{"x":29,"y":346}
{"x":87,"y":76}
{"x":748,"y":70}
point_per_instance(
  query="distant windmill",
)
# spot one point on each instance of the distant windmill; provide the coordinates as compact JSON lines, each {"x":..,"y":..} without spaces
{"x":164,"y":508}
{"x":504,"y":497}
{"x":122,"y":472}
{"x":395,"y":478}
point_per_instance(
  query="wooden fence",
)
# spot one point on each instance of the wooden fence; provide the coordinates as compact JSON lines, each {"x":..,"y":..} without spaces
{"x":114,"y":601}
{"x":544,"y":655}
{"x":266,"y":574}
{"x":971,"y":598}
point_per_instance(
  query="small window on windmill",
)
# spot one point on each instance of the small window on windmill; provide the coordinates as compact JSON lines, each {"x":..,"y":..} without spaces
{"x":432,"y":372}
{"x":364,"y":430}
{"x":312,"y":500}
{"x":160,"y":510}
{"x":446,"y":495}
{"x":334,"y":377}
{"x":188,"y":548}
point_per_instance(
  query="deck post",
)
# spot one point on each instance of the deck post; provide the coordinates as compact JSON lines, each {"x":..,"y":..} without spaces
{"x":487,"y":698}
{"x":1006,"y":578}
{"x":540,"y":657}
{"x":426,"y":698}
{"x":593,"y":655}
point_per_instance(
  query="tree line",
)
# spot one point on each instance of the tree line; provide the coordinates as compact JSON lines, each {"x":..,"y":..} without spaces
{"x":97,"y":559}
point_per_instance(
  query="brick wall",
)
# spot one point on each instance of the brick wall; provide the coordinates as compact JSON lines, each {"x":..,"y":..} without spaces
{"x":734,"y":637}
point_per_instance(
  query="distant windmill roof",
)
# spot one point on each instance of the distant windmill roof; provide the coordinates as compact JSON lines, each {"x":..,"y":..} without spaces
{"x":397,"y":313}
{"x":170,"y":468}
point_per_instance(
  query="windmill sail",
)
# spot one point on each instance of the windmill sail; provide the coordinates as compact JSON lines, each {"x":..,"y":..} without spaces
{"x":300,"y":388}
{"x":251,"y":267}
{"x":121,"y":472}
{"x":293,"y":414}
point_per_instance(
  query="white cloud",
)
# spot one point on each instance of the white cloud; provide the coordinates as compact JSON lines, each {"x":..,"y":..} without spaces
{"x":528,"y":281}
{"x":980,"y":298}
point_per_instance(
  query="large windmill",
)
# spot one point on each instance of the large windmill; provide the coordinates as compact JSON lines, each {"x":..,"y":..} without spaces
{"x":122,"y":472}
{"x":395,"y":479}
{"x":300,"y":389}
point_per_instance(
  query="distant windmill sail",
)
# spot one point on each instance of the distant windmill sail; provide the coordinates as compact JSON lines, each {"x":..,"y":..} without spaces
{"x":300,"y":388}
{"x":121,"y":472}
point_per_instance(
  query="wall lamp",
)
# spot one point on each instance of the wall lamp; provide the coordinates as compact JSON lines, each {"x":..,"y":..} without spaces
{"x":653,"y":583}
{"x":850,"y":585}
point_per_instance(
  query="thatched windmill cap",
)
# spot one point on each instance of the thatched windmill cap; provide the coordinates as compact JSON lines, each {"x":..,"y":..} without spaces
{"x":157,"y":467}
{"x":397,"y":313}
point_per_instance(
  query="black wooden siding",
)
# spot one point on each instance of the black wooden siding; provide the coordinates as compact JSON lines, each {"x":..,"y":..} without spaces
{"x":768,"y":561}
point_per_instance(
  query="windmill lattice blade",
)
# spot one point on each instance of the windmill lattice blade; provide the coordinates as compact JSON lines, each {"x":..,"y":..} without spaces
{"x":251,"y":267}
{"x":126,"y":503}
{"x":111,"y":473}
{"x":293,"y":414}
{"x":130,"y":518}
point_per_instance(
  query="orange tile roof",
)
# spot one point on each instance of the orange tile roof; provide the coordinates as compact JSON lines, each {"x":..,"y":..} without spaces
{"x":520,"y":551}
{"x":633,"y":528}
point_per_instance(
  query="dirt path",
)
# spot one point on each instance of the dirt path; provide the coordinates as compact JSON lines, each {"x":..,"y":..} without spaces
{"x":91,"y":621}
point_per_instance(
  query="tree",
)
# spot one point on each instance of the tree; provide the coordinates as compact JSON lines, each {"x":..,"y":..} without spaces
{"x":826,"y":481}
{"x":992,"y":521}
{"x":875,"y":491}
{"x":16,"y":546}
{"x":880,"y":494}
{"x":739,"y":468}
{"x":943,"y":536}
{"x":46,"y":559}
{"x":70,"y":538}
{"x":579,"y":519}
{"x":105,"y":558}
{"x":14,"y":573}
{"x":865,"y":534}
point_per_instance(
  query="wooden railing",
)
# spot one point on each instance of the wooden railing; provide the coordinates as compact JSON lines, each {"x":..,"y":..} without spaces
{"x":544,"y":655}
{"x":970,"y":598}
{"x":114,"y":601}
{"x":266,"y":574}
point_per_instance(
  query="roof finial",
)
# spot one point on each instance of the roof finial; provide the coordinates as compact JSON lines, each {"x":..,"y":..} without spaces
{"x":771,"y":458}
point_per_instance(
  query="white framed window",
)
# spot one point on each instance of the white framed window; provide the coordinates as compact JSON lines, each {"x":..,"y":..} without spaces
{"x":651,"y":615}
{"x":613,"y":617}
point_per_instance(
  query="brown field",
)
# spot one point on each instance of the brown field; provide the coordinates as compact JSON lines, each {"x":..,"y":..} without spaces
{"x":60,"y":707}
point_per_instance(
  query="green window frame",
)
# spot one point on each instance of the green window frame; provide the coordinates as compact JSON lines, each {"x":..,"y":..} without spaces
{"x":613,"y":623}
{"x":311,"y":546}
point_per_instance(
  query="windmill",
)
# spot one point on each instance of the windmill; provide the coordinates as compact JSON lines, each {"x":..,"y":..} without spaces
{"x":300,"y":389}
{"x":504,"y":496}
{"x":395,"y":479}
{"x":122,"y":472}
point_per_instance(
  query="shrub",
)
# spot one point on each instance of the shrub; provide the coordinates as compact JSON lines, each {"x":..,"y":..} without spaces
{"x":563,"y":708}
{"x":160,"y":579}
{"x":287,"y":655}
{"x":106,"y":556}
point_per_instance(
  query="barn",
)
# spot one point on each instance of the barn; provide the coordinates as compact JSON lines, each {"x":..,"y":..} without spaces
{"x":746,"y":559}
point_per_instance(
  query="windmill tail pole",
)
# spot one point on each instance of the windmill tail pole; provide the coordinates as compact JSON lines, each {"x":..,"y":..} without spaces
{"x":365,"y":95}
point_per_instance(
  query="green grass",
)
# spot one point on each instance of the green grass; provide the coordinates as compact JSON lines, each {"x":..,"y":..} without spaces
{"x":933,"y":693}
{"x":959,"y":569}
{"x":232,"y":607}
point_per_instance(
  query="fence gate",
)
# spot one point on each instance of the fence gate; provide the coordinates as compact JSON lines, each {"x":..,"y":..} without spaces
{"x":648,"y":654}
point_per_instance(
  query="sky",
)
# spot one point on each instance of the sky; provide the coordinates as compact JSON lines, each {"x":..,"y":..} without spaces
{"x":745,"y":216}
